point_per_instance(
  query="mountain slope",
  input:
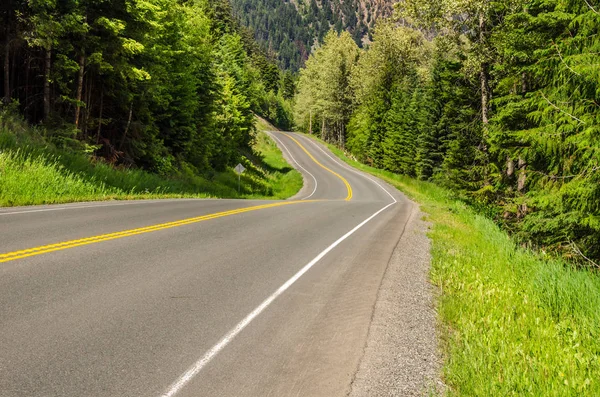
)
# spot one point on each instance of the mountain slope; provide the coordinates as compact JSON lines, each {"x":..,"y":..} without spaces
{"x":290,"y":29}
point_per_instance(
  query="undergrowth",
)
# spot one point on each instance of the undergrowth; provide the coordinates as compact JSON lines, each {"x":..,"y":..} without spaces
{"x":35,"y":171}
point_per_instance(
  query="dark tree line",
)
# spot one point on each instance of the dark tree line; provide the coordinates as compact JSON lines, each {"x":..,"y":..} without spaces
{"x":151,"y":83}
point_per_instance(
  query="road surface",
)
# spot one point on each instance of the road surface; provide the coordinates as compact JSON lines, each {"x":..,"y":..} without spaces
{"x":198,"y":297}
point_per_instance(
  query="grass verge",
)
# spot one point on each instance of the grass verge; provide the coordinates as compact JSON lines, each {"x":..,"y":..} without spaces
{"x":284,"y":181}
{"x":513,"y":322}
{"x":32,"y":171}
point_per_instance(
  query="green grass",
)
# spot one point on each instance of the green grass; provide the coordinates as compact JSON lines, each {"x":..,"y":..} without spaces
{"x":32,"y":171}
{"x":283,"y":179}
{"x":512,"y":321}
{"x":264,"y":125}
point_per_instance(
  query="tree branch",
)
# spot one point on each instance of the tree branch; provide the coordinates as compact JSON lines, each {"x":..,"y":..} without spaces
{"x":578,"y":251}
{"x":563,"y":61}
{"x":591,"y":7}
{"x":560,"y":110}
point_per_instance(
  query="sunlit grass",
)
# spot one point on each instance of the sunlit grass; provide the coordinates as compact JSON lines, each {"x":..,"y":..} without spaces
{"x":283,"y":179}
{"x":35,"y":172}
{"x":513,"y":322}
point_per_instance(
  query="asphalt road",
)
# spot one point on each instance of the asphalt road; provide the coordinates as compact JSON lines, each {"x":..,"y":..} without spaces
{"x":197,"y":297}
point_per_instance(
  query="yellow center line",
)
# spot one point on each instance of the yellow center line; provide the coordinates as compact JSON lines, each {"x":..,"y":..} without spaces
{"x":44,"y":249}
{"x":349,"y":197}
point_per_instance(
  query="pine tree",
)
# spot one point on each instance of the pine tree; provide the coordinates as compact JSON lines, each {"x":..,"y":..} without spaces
{"x":403,"y":128}
{"x":548,"y":126}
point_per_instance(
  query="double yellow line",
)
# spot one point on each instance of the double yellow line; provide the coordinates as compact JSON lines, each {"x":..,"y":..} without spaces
{"x":11,"y":256}
{"x":348,"y":187}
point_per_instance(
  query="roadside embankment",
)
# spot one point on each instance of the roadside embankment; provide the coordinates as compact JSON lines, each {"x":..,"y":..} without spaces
{"x":511,"y":321}
{"x":35,"y":171}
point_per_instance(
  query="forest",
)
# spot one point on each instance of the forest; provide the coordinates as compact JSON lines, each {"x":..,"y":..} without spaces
{"x":154,"y":84}
{"x":497,"y":100}
{"x":486,"y":113}
{"x":290,"y":30}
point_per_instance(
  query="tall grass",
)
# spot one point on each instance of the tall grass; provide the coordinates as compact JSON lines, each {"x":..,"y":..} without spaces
{"x":25,"y":179}
{"x":33,"y":171}
{"x":513,"y":322}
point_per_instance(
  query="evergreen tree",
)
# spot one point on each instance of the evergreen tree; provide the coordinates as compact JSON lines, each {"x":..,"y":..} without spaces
{"x":152,"y":83}
{"x":546,"y":136}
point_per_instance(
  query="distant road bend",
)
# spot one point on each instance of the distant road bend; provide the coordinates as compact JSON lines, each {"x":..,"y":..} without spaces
{"x":198,"y":297}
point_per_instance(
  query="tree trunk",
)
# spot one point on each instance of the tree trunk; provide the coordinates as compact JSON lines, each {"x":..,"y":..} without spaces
{"x":48,"y":64}
{"x":485,"y":94}
{"x":100,"y":118}
{"x":510,"y":166}
{"x":7,"y":67}
{"x":323,"y":135}
{"x":27,"y":83}
{"x":484,"y":75}
{"x":343,"y":136}
{"x":127,"y":127}
{"x":86,"y":113}
{"x":310,"y":121}
{"x":79,"y":94}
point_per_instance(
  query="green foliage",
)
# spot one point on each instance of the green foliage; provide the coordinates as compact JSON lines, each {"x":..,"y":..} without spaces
{"x":290,"y":30}
{"x":548,"y":124}
{"x":154,"y":84}
{"x":34,"y":171}
{"x":514,"y":322}
{"x":277,"y":109}
{"x":382,"y":131}
{"x":401,"y":124}
{"x":501,"y":105}
{"x":324,"y":100}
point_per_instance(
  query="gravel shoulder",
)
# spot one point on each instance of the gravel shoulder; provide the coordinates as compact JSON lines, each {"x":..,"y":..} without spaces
{"x":401,"y":356}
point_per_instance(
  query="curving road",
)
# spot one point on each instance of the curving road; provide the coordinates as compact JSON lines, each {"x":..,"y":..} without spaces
{"x":198,"y":297}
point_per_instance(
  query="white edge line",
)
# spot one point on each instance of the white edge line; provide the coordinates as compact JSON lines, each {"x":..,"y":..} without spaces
{"x":346,"y":166}
{"x":298,"y":164}
{"x":123,"y":202}
{"x":188,"y":375}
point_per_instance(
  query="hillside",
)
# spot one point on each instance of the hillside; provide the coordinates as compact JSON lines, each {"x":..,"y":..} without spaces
{"x":290,"y":29}
{"x":165,"y":87}
{"x":34,"y":170}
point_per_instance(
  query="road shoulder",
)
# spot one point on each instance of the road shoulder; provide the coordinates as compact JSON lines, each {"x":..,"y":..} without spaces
{"x":401,"y":356}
